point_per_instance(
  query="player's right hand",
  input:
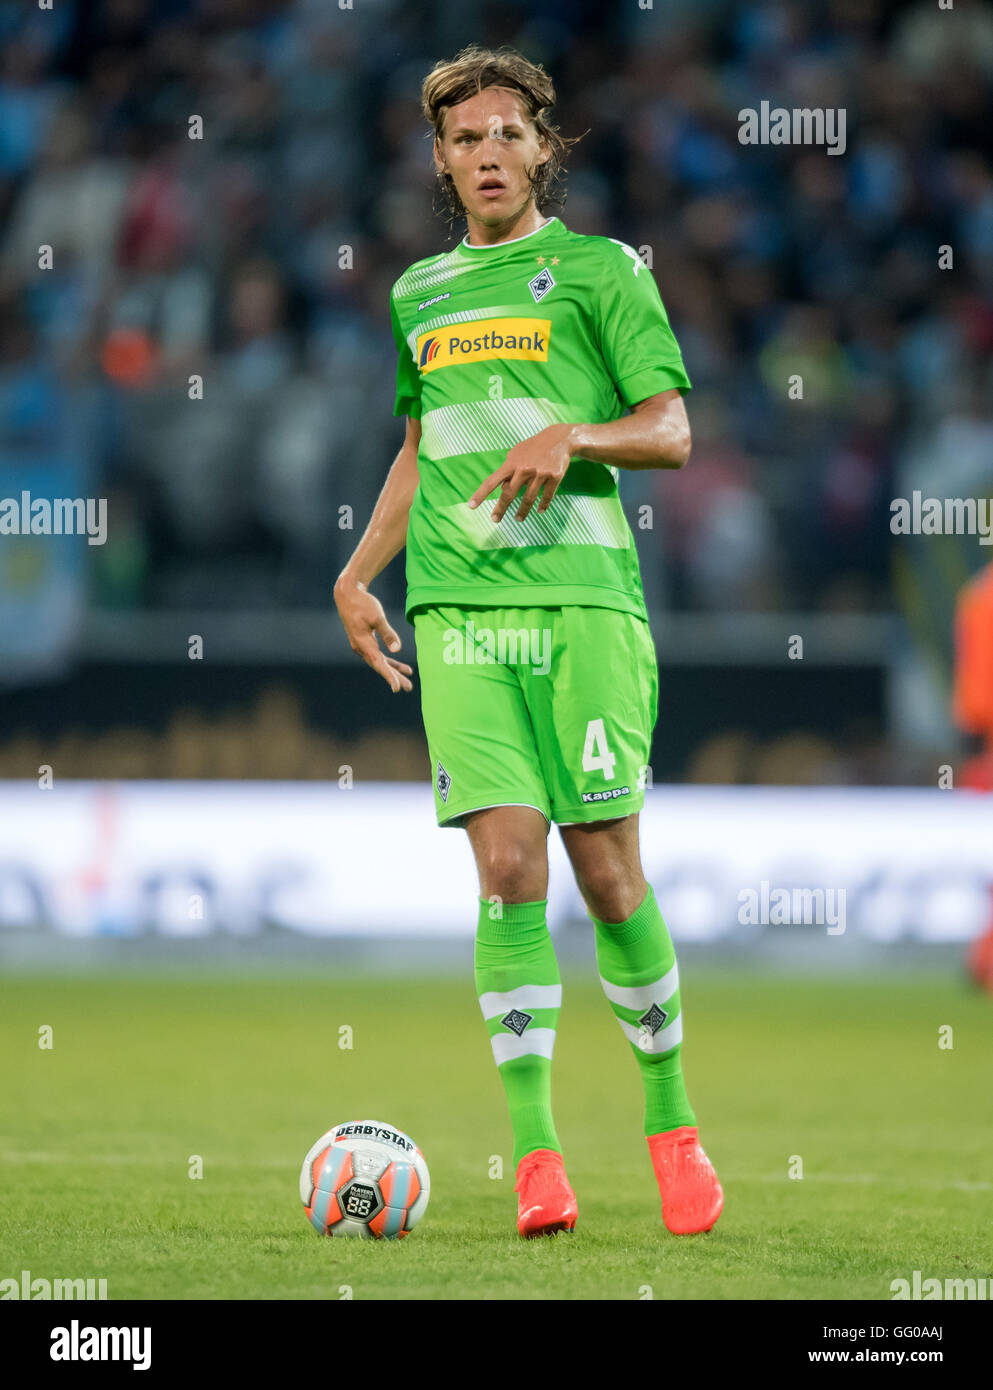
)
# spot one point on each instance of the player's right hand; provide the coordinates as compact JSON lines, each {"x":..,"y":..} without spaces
{"x":363,"y":617}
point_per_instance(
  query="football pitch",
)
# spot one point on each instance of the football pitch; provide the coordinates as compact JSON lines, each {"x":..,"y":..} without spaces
{"x":99,"y":1135}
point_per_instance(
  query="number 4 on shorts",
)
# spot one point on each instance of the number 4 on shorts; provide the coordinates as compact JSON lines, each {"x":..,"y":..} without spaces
{"x":596,"y":753}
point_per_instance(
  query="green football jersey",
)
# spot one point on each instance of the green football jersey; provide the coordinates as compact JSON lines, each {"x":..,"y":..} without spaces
{"x":495,"y":343}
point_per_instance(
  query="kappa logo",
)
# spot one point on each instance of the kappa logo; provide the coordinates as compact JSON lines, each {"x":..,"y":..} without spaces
{"x":608,"y":795}
{"x":444,"y":782}
{"x":653,"y":1019}
{"x":426,"y":303}
{"x":517,"y":1021}
{"x":639,"y":264}
{"x":541,"y":284}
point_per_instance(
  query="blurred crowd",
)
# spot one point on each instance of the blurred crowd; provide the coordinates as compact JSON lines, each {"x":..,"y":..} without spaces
{"x":274,"y":736}
{"x":221,"y":258}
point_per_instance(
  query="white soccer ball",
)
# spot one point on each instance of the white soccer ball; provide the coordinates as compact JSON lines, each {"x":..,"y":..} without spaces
{"x":365,"y":1178}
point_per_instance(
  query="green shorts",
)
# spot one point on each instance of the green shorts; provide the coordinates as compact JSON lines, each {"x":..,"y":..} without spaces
{"x":546,"y":707}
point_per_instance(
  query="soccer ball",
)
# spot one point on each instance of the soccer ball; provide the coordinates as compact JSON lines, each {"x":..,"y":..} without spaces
{"x":365,"y":1179}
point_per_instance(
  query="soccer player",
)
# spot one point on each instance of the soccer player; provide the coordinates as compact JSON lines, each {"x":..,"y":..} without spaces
{"x":972,"y":708}
{"x":519,"y":351}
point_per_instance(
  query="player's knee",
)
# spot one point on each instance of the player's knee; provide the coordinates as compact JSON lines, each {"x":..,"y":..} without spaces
{"x":611,"y":891}
{"x":512,"y":871}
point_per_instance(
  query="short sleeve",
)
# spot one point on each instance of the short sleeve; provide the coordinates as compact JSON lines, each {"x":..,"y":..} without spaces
{"x":408,"y":392}
{"x":636,"y":342}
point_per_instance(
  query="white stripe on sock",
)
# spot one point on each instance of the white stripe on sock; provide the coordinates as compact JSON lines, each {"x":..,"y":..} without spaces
{"x":642,"y":997}
{"x":535,"y":1042}
{"x":665,"y":1039}
{"x":524,"y":997}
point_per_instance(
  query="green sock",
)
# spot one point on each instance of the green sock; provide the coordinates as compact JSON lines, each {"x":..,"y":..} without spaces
{"x":638,"y":971}
{"x":520,"y":991}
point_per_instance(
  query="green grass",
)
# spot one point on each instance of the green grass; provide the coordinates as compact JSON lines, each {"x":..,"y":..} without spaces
{"x":96,"y":1134}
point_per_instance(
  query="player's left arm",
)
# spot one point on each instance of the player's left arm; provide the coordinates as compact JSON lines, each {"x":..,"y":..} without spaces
{"x":655,"y":435}
{"x":642,"y":358}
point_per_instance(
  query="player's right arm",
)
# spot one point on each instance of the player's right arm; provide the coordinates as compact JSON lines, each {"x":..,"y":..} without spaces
{"x":362,"y":613}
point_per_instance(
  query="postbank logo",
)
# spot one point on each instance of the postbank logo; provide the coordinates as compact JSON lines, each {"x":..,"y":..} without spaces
{"x":478,"y":340}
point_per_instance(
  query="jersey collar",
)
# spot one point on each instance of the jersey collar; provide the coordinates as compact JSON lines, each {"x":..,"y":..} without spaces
{"x":465,"y":249}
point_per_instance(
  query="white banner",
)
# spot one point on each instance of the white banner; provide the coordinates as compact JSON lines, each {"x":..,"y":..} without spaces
{"x":188,"y":859}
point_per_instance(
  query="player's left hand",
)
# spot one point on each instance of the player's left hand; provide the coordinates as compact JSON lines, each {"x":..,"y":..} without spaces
{"x":539,"y":462}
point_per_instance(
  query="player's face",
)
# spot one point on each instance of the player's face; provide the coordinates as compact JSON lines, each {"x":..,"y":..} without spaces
{"x":488,"y":147}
